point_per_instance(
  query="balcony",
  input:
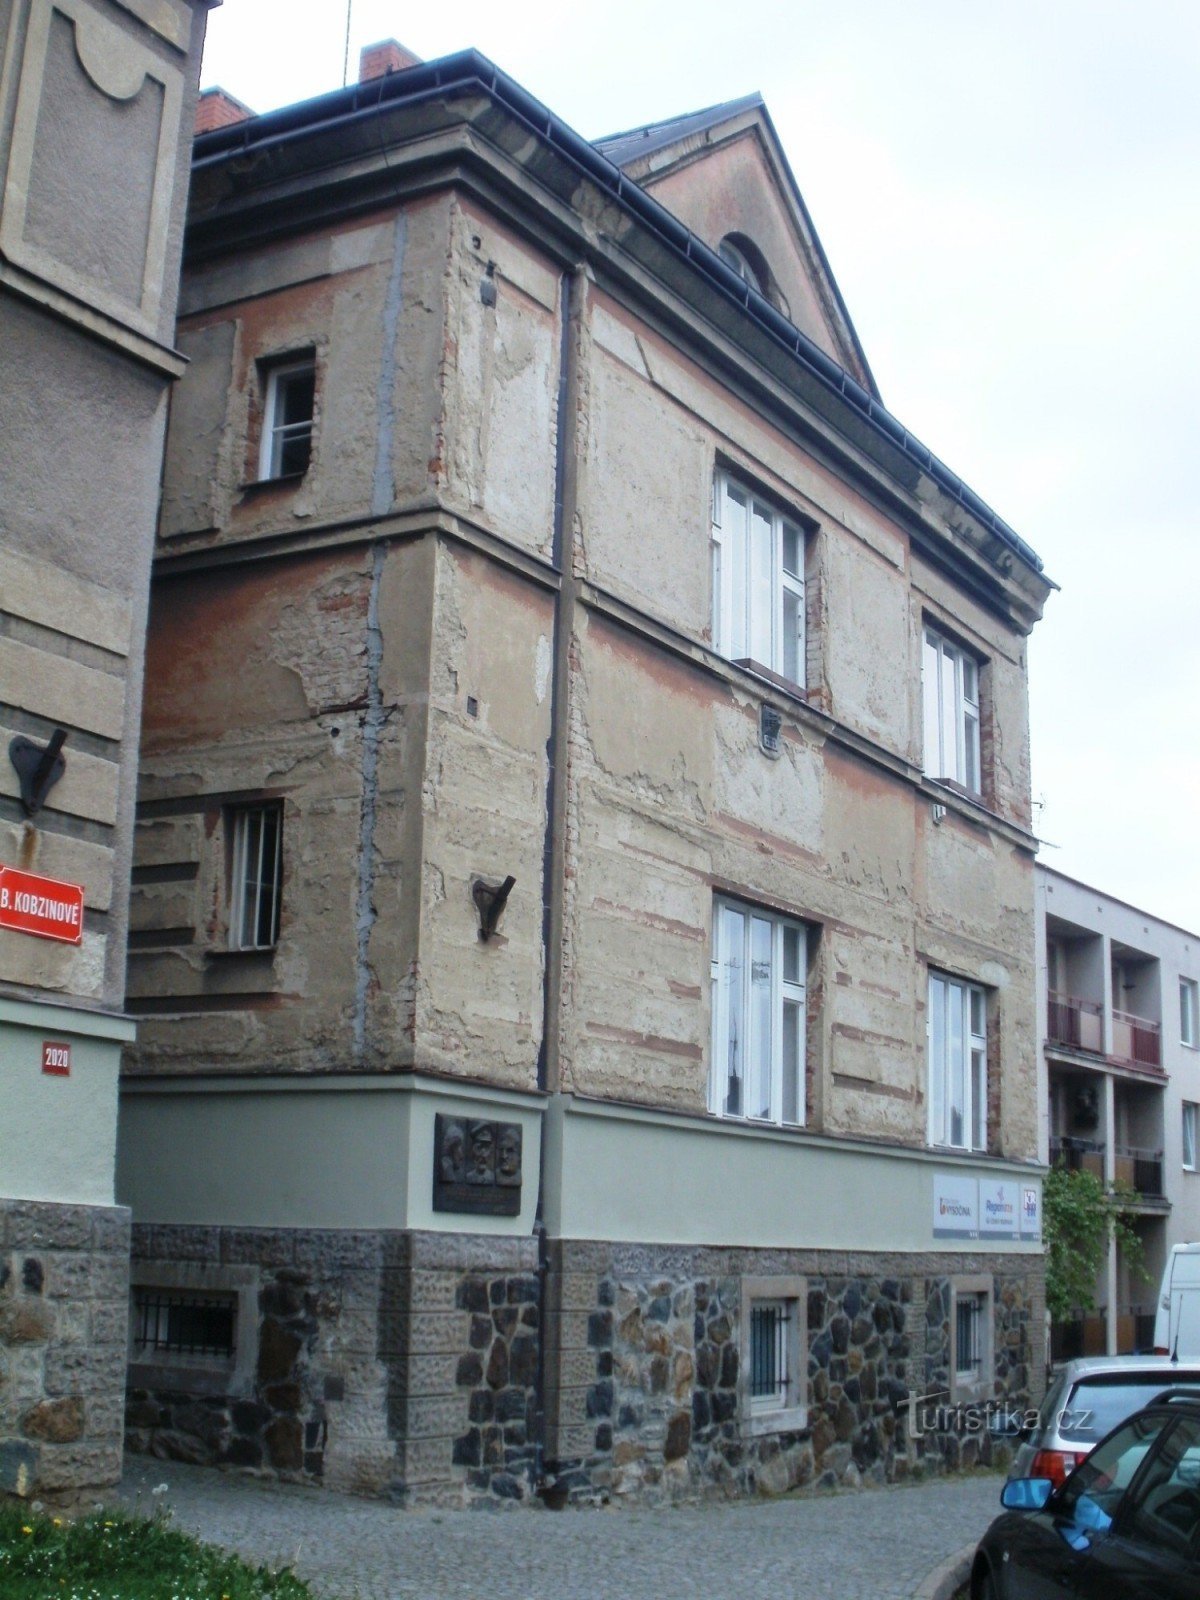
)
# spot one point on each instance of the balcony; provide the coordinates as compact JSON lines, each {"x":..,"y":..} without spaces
{"x":1136,"y":1168}
{"x":1136,"y":1039}
{"x":1075,"y":1023}
{"x":1078,"y":1155}
{"x":1139,"y":1169}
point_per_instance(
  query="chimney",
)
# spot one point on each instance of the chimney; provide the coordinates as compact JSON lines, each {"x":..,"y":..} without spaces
{"x":216,"y":109}
{"x":377,"y":60}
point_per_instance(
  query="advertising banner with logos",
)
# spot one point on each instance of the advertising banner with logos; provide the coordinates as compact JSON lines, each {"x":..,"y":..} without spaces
{"x":955,"y":1206}
{"x":967,"y":1207}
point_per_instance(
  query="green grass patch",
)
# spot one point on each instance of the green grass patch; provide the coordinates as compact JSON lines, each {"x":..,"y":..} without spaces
{"x":113,"y":1556}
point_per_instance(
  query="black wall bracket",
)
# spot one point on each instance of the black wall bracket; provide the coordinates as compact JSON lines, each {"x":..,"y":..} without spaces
{"x":490,"y":900}
{"x":38,"y":768}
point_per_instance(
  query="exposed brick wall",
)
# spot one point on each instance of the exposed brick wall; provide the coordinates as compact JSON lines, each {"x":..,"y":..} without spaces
{"x":64,"y":1277}
{"x":376,"y":60}
{"x":216,"y":109}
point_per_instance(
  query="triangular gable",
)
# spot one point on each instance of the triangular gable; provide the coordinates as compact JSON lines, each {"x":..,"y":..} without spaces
{"x":723,"y":173}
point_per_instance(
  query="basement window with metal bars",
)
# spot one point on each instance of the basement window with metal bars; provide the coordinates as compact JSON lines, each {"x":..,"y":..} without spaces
{"x":170,"y":1323}
{"x":968,"y":1338}
{"x":256,"y":876}
{"x":770,"y":1379}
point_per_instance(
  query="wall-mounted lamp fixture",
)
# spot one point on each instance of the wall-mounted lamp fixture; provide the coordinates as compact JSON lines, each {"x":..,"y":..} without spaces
{"x":490,"y":900}
{"x":939,"y":812}
{"x":38,"y":768}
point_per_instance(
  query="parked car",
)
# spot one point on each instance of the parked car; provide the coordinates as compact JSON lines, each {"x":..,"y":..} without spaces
{"x":1177,"y":1319}
{"x":1124,"y":1526}
{"x":1085,"y":1400}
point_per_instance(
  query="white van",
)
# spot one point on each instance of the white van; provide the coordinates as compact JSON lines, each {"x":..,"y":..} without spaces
{"x":1177,"y":1323}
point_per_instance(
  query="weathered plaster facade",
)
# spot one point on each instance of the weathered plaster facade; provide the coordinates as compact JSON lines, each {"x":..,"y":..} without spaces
{"x":474,"y":640}
{"x":95,"y":118}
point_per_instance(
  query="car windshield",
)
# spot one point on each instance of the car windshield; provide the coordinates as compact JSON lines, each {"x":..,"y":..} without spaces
{"x":1096,"y":1405}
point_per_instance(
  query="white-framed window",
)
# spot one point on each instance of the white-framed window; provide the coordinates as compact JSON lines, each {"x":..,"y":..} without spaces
{"x":971,"y":1359}
{"x":957,"y":1030}
{"x":758,"y":580}
{"x":256,"y":875}
{"x":759,"y":968}
{"x":1189,"y":1025}
{"x":288,"y":402}
{"x":950,"y":691}
{"x":772,"y":1353}
{"x":1190,"y":1112}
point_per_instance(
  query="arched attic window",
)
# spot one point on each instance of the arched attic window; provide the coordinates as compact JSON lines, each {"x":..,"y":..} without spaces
{"x":748,"y":261}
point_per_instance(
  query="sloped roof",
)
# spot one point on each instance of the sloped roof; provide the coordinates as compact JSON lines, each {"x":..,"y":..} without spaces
{"x":253,"y":152}
{"x":633,"y":148}
{"x":622,"y":148}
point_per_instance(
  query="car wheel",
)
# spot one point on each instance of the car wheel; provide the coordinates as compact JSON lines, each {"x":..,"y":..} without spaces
{"x":983,"y":1584}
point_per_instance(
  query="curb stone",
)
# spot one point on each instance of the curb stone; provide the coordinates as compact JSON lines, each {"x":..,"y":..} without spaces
{"x":949,"y":1576}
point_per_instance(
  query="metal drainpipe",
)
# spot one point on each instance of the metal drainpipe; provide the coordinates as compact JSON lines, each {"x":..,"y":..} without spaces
{"x":554,"y":845}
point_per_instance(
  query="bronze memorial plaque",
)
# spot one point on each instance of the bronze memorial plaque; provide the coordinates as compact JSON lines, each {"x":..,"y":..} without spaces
{"x":477,"y":1166}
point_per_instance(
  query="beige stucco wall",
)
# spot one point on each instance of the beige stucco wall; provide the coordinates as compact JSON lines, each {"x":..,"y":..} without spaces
{"x":370,"y":301}
{"x":625,"y":1171}
{"x":730,"y":190}
{"x":58,"y":1133}
{"x":325,"y":1154}
{"x":668,"y":797}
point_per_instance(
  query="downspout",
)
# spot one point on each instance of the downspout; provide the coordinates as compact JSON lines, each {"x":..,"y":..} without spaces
{"x":375,"y":717}
{"x":554,"y":844}
{"x":372,"y":726}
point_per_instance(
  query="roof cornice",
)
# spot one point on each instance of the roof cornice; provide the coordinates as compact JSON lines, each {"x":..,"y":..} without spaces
{"x":289,"y":170}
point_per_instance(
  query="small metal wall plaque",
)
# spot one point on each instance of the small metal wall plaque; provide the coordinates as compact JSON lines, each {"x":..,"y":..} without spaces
{"x":770,"y":725}
{"x":477,"y":1166}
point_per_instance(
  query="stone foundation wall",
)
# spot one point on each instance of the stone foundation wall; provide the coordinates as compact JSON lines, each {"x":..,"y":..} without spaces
{"x":400,"y":1364}
{"x":646,"y":1395}
{"x":64,"y":1276}
{"x":406,"y":1365}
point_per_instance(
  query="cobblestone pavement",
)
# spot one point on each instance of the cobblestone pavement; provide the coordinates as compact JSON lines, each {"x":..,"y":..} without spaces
{"x":877,"y":1544}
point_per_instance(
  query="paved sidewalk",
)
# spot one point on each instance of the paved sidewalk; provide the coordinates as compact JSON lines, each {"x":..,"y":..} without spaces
{"x":879,"y":1544}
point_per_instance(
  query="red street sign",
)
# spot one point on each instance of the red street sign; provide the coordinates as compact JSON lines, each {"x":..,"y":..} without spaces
{"x":56,"y":1059}
{"x":41,"y":906}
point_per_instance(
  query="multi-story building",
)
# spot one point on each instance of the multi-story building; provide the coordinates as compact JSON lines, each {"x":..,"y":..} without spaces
{"x":583,"y":924}
{"x":1117,"y":1014}
{"x":95,"y":124}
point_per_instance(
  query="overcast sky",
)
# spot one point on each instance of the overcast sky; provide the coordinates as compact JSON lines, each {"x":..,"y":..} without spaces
{"x":1007,"y":195}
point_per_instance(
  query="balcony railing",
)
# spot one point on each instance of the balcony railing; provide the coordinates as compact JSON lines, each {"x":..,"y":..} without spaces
{"x":1140,"y":1169}
{"x":1074,"y":1022}
{"x":1136,"y":1039}
{"x":1137,"y":1169}
{"x":1078,"y":1155}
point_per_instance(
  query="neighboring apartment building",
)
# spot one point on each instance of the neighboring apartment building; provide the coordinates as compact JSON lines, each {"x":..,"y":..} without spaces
{"x":95,"y":120}
{"x":583,"y":919}
{"x":1118,"y":1017}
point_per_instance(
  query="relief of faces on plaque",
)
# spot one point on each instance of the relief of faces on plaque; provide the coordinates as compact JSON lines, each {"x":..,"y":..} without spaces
{"x":508,"y":1155}
{"x":452,"y":1156}
{"x":481,"y":1152}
